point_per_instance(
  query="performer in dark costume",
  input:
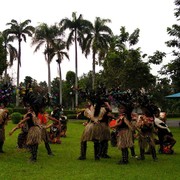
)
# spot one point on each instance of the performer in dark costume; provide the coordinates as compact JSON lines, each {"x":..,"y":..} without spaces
{"x":34,"y":133}
{"x":36,"y":103}
{"x":124,"y":129}
{"x":145,"y":127}
{"x":105,"y":129}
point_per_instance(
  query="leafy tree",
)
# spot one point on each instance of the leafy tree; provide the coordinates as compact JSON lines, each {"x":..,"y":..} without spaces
{"x":97,"y":40}
{"x":77,"y":27}
{"x":19,"y":31}
{"x":157,"y":57}
{"x":159,"y":91}
{"x":172,"y":69}
{"x":123,"y":65}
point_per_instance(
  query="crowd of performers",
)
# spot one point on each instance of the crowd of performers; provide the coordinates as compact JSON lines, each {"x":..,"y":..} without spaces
{"x":34,"y":125}
{"x":102,"y":126}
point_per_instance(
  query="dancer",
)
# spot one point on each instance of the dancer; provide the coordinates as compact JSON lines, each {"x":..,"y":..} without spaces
{"x":105,"y":129}
{"x":124,"y":130}
{"x":3,"y":121}
{"x":165,"y":136}
{"x":55,"y":132}
{"x":34,"y":132}
{"x":92,"y":131}
{"x":44,"y":117}
{"x":145,"y":127}
{"x":35,"y":104}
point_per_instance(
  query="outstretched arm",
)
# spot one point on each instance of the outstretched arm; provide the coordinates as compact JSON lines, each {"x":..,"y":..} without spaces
{"x":53,"y":119}
{"x":13,"y":130}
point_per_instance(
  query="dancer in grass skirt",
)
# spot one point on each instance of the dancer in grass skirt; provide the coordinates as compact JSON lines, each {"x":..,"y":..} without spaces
{"x":3,"y":122}
{"x":105,"y":129}
{"x":35,"y":103}
{"x":146,"y":133}
{"x":92,"y":130}
{"x":124,"y":132}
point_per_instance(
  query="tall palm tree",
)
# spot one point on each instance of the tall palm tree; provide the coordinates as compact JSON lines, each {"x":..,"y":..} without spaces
{"x":44,"y":36}
{"x":19,"y":31}
{"x":78,"y":28}
{"x":10,"y":50}
{"x":2,"y":58}
{"x":98,"y":41}
{"x":58,"y":48}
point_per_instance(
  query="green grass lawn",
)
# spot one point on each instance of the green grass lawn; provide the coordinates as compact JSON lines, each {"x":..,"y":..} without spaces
{"x":15,"y":165}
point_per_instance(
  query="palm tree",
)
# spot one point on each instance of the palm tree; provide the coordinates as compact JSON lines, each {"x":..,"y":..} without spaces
{"x":98,"y":41}
{"x":44,"y":36}
{"x":19,"y":31}
{"x":3,"y":64}
{"x":58,"y":50}
{"x":10,"y":50}
{"x":78,"y":29}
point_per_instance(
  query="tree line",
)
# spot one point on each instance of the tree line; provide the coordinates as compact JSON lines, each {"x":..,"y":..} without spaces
{"x":124,"y":64}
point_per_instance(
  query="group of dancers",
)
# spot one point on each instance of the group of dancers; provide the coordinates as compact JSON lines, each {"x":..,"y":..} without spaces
{"x":34,"y":125}
{"x":127,"y":126}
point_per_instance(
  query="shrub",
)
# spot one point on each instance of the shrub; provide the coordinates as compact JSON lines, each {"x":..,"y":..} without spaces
{"x":48,"y":111}
{"x":16,"y":117}
{"x":10,"y":110}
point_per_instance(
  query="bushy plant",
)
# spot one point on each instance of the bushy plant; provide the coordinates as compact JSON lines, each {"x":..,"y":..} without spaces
{"x":10,"y":110}
{"x":16,"y":117}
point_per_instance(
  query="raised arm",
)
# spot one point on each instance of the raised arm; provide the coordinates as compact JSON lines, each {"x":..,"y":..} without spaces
{"x":13,"y":130}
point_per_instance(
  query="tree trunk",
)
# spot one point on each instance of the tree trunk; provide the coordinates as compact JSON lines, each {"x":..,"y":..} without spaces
{"x":76,"y":73}
{"x":93,"y":71}
{"x":60,"y":85}
{"x":18,"y":69}
{"x":49,"y":76}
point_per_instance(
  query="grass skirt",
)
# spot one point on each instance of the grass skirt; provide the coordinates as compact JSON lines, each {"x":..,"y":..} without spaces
{"x":124,"y":139}
{"x":92,"y":131}
{"x":34,"y":135}
{"x":105,"y":130}
{"x":145,"y":139}
{"x":44,"y":135}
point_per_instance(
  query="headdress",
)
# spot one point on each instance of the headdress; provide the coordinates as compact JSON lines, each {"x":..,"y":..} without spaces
{"x":6,"y":92}
{"x":35,"y":101}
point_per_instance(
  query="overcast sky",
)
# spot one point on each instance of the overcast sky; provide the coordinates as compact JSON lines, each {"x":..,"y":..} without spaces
{"x":152,"y":17}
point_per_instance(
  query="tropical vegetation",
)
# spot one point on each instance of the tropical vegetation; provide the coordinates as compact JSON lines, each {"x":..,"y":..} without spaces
{"x":124,"y":65}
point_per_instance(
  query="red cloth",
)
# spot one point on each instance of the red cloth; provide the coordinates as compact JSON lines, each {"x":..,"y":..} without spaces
{"x":112,"y":123}
{"x":42,"y":118}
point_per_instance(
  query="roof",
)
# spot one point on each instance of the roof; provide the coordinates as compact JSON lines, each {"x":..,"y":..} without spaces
{"x":176,"y":95}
